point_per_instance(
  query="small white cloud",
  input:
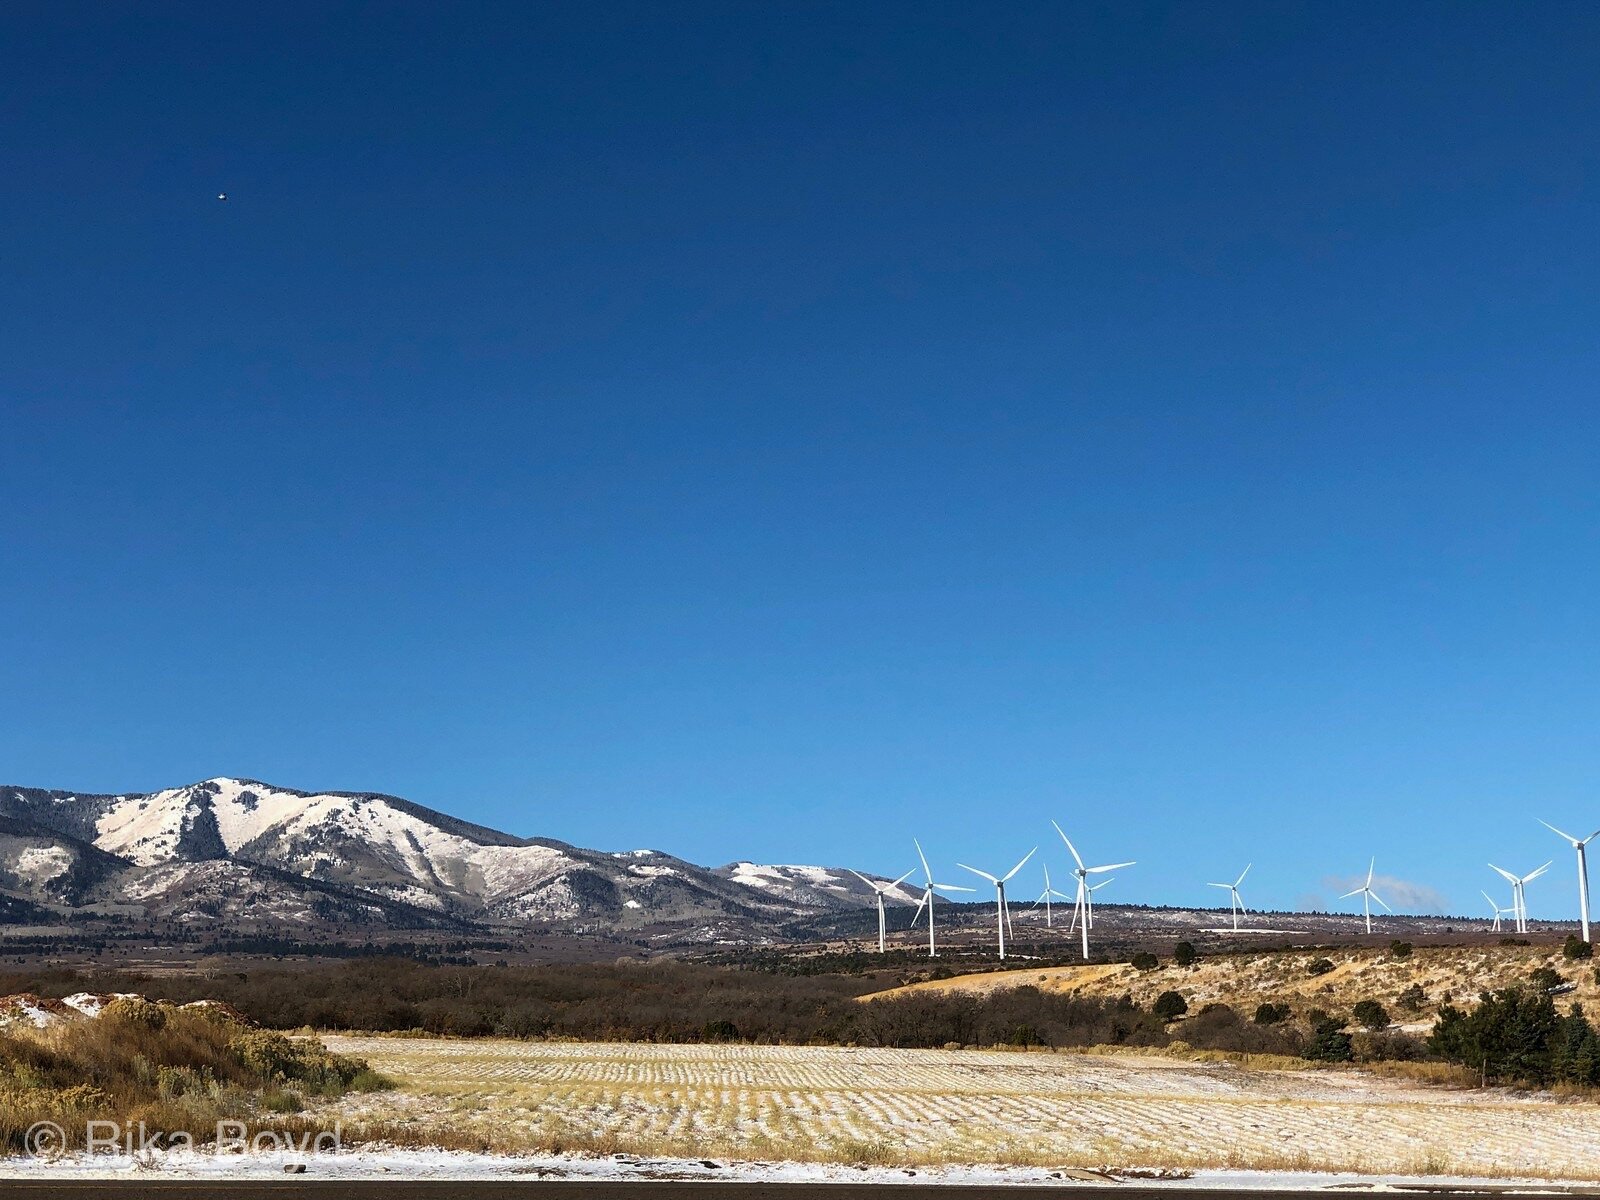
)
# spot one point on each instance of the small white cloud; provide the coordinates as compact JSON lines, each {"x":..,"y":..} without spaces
{"x":1402,"y":895}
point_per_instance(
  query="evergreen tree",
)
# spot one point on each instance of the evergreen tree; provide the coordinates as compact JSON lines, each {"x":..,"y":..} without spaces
{"x":1371,"y":1014}
{"x":1169,"y":1006}
{"x":1586,"y":1063}
{"x":1567,"y":1046}
{"x":1329,"y":1042}
{"x":1510,"y":1035}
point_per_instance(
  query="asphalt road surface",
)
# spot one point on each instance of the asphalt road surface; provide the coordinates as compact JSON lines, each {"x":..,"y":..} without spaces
{"x":546,"y":1189}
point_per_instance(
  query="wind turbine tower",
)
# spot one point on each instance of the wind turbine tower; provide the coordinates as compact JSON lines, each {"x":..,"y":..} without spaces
{"x":1088,"y":909}
{"x":1235,"y":904}
{"x":1002,"y":914}
{"x":1519,"y":891}
{"x":1085,"y":900}
{"x":1497,"y":910}
{"x":1045,"y":897}
{"x":928,"y":889}
{"x":1367,"y":895}
{"x":1580,"y":845}
{"x":881,"y":888}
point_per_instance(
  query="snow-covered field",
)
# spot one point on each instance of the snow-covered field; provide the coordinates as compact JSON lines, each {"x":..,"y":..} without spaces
{"x":894,"y":1109}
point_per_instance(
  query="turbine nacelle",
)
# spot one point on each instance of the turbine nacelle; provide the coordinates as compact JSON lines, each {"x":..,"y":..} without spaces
{"x":1576,"y":842}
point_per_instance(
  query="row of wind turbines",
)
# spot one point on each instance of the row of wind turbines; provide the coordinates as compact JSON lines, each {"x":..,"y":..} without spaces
{"x":1519,"y":884}
{"x":1083,"y":902}
{"x":1083,"y":897}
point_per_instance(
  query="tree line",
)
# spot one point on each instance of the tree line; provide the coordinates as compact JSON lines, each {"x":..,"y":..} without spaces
{"x":681,"y":1002}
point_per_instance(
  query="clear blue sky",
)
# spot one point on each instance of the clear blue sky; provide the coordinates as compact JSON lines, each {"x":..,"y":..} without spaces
{"x":776,"y":430}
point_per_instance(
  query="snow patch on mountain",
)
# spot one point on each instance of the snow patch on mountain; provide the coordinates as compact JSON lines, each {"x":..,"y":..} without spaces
{"x":145,"y":829}
{"x":228,"y":850}
{"x":41,"y":864}
{"x":807,"y":884}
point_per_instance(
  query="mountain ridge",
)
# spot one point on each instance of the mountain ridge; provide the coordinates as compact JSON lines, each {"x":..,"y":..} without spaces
{"x":313,"y":858}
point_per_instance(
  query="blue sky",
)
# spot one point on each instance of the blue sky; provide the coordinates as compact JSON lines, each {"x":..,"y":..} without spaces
{"x":774,"y":431}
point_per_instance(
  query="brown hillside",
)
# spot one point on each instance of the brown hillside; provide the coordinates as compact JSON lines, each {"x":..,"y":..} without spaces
{"x":1456,"y":974}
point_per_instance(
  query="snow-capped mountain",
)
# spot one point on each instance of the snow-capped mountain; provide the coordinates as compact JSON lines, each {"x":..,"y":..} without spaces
{"x":241,"y":850}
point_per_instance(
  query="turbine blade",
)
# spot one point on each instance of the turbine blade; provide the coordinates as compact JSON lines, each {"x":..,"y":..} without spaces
{"x":975,"y":871}
{"x":862,"y":877}
{"x":1535,"y":874}
{"x":1242,"y":874}
{"x":901,"y":880}
{"x":1229,"y":886}
{"x":951,"y":887}
{"x":1070,"y":846}
{"x":1379,"y":899}
{"x":926,"y":870}
{"x":1112,"y":867}
{"x":1559,"y":832}
{"x":1591,"y":837}
{"x":1357,"y":892}
{"x":1507,"y":874}
{"x":1371,"y":867}
{"x":1020,"y":865}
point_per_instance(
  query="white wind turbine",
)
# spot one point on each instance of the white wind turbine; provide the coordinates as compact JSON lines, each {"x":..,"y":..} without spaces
{"x":1519,"y":891}
{"x":1516,"y":895}
{"x":928,"y":889}
{"x":1497,"y":910}
{"x":1002,"y":914}
{"x":1045,"y":897}
{"x":881,"y":889}
{"x":1583,"y":871}
{"x":1235,"y":904}
{"x":1367,"y":895}
{"x":1088,"y":911}
{"x":1085,"y":899}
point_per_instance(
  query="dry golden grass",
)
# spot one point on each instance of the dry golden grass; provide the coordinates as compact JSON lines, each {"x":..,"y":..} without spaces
{"x":1456,"y":974}
{"x":171,"y":1069}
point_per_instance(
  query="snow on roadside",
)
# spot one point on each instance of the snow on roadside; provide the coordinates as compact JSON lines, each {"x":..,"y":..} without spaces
{"x":380,"y":1163}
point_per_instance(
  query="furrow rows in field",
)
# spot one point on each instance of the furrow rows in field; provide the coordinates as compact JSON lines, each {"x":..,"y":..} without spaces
{"x":932,"y":1106}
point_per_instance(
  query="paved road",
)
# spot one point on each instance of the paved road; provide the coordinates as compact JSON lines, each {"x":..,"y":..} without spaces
{"x":547,"y":1189}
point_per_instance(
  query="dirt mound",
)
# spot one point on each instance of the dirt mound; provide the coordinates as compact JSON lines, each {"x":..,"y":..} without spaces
{"x":25,"y":1008}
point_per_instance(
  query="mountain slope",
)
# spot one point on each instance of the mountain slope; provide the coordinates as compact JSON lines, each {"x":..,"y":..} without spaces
{"x":220,"y":847}
{"x":50,"y":867}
